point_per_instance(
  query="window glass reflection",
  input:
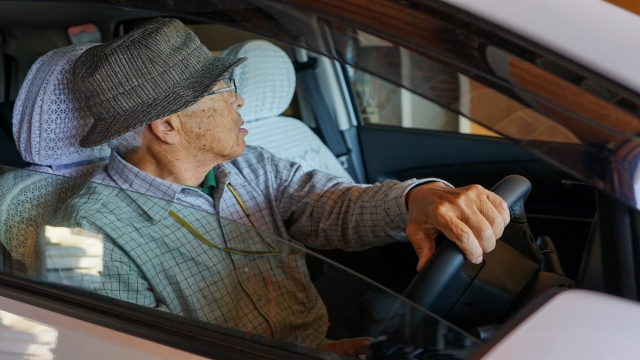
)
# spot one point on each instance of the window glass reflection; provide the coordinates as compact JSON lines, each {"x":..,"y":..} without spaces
{"x":449,"y":99}
{"x":72,"y":256}
{"x":383,"y":103}
{"x":273,"y":299}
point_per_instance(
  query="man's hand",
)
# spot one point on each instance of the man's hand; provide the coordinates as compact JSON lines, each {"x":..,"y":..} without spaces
{"x":348,"y":347}
{"x":472,"y":217}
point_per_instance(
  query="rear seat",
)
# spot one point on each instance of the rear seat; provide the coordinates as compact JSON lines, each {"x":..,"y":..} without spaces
{"x":267,"y":82}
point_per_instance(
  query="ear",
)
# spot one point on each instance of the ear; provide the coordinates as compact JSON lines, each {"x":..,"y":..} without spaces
{"x":166,"y":130}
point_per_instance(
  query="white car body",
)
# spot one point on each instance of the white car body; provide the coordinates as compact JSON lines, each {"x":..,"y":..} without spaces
{"x":35,"y":333}
{"x":575,"y":324}
{"x":594,"y":33}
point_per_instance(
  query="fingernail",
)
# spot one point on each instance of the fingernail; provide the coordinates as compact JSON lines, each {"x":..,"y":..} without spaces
{"x":477,"y":260}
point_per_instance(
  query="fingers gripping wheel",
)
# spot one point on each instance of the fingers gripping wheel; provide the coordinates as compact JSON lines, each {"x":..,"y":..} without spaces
{"x":448,"y":261}
{"x":464,"y":294}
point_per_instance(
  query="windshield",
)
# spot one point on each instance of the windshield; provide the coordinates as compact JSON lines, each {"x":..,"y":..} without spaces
{"x":222,"y":275}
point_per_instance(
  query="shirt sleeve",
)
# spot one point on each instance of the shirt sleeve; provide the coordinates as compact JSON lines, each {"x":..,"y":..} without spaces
{"x":328,"y":212}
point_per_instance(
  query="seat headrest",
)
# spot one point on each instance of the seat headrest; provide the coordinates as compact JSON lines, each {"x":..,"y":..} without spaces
{"x":49,"y":119}
{"x":266,"y":80}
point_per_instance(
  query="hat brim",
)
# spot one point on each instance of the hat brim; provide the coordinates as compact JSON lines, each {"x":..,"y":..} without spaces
{"x":178,"y":98}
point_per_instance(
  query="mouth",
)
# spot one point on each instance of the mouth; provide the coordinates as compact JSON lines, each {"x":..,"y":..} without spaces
{"x":243,"y":130}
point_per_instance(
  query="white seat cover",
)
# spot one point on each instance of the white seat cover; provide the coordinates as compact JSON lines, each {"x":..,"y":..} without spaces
{"x":267,"y":83}
{"x":48,"y":124}
{"x":28,"y":199}
{"x":49,"y":120}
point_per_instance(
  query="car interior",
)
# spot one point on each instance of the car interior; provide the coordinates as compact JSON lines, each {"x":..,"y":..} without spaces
{"x":332,"y":117}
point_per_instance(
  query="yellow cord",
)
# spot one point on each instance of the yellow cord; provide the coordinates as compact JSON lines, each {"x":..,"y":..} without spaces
{"x":205,"y":241}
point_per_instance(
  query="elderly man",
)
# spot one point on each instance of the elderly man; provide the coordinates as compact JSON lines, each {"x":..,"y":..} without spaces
{"x":160,"y":99}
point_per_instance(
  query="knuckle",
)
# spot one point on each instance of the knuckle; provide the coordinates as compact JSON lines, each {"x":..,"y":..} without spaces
{"x":502,"y":205}
{"x":496,"y":199}
{"x":488,"y":235}
{"x":476,"y":187}
{"x":497,"y":223}
{"x":464,"y":237}
{"x":439,"y":209}
{"x":459,"y":199}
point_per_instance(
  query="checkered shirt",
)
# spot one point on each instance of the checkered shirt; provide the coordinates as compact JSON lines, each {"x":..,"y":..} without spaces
{"x":152,"y":260}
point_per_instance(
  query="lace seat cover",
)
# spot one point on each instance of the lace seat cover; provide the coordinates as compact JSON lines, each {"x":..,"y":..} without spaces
{"x":48,"y":122}
{"x":48,"y":118}
{"x":28,"y":199}
{"x":267,"y":83}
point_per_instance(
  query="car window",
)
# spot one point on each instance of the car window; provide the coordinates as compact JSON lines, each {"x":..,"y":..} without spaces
{"x":212,"y":271}
{"x":540,"y":96}
{"x":383,"y":103}
{"x":555,"y":111}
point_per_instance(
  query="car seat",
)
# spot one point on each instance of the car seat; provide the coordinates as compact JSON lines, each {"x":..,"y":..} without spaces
{"x":48,"y":122}
{"x":267,"y":82}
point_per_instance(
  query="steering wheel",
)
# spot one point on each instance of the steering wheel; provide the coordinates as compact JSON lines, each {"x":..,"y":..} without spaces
{"x":448,"y":260}
{"x":474,"y":297}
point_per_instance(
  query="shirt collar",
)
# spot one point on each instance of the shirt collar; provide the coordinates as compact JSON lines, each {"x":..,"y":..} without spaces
{"x":129,"y":177}
{"x":160,"y":194}
{"x":209,"y":183}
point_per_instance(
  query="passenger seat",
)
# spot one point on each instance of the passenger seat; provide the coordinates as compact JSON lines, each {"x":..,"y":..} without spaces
{"x":267,"y":82}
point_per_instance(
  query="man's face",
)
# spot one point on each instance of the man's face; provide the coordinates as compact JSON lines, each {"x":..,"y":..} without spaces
{"x":214,"y":129}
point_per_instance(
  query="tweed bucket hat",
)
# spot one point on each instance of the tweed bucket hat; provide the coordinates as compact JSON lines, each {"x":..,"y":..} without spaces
{"x":154,"y":71}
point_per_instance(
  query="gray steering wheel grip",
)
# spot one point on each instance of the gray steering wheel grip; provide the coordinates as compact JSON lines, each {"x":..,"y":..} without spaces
{"x":448,"y":258}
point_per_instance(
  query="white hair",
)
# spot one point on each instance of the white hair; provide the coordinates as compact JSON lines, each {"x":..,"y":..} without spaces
{"x":132,"y":141}
{"x":127,"y":143}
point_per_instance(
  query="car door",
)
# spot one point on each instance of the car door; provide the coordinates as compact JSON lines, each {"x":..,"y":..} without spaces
{"x":400,"y":135}
{"x":404,"y":135}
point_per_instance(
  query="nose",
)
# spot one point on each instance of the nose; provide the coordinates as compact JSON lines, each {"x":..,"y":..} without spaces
{"x":240,"y":102}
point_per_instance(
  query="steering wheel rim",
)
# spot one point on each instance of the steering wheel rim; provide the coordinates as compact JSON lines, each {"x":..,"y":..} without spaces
{"x":448,"y":258}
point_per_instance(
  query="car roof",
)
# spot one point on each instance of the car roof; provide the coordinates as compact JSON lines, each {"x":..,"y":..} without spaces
{"x":594,"y":33}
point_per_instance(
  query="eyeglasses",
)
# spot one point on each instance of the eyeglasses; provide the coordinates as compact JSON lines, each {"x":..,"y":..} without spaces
{"x":231,"y":86}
